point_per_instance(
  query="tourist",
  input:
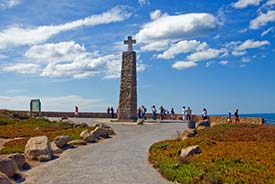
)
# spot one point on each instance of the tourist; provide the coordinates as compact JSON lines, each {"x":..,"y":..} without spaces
{"x":143,"y":112}
{"x":236,"y":116}
{"x":189,"y":113}
{"x":112,"y":112}
{"x":204,"y":114}
{"x":162,"y":112}
{"x":154,"y":112}
{"x":76,"y":114}
{"x":139,"y":112}
{"x":183,"y":112}
{"x":229,"y":119}
{"x":108,"y":111}
{"x":173,"y":116}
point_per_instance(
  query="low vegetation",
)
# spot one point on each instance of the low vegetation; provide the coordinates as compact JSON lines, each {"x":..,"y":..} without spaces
{"x":20,"y":128}
{"x":241,"y":153}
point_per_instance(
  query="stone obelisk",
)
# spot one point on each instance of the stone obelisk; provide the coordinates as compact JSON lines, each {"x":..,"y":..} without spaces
{"x":127,"y":109}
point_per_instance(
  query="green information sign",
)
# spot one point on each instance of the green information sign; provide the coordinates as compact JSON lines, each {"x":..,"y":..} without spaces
{"x":35,"y":106}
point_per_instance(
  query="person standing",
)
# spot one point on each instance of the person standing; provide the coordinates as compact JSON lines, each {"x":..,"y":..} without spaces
{"x":108,"y":111}
{"x":143,"y":112}
{"x":173,"y":114}
{"x":204,"y":114}
{"x":112,"y":112}
{"x":183,"y":112}
{"x":162,"y":112}
{"x":236,"y":116}
{"x":189,"y":113}
{"x":76,"y":114}
{"x":154,"y":112}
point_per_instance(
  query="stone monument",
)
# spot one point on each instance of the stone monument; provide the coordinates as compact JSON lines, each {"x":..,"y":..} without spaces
{"x":127,"y":109}
{"x":35,"y":107}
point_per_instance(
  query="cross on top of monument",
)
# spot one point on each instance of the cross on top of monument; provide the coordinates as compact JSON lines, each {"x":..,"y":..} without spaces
{"x":130,"y":43}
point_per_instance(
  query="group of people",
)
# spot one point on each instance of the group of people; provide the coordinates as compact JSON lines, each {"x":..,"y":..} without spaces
{"x":110,"y":110}
{"x":236,"y":117}
{"x":186,"y":113}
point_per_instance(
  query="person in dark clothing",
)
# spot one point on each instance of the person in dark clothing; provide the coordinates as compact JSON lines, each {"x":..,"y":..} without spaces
{"x":154,"y":112}
{"x":108,"y":111}
{"x":236,"y":116}
{"x":112,"y":112}
{"x":139,"y":112}
{"x":173,"y":116}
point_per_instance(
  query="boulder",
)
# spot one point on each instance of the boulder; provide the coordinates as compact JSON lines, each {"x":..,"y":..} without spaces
{"x":68,"y":122}
{"x":4,"y":179}
{"x":109,"y":129}
{"x":203,"y":123}
{"x":140,"y":121}
{"x":38,"y":148}
{"x":62,"y":140}
{"x":100,"y":132}
{"x":55,"y":148}
{"x":19,"y":160}
{"x":78,"y":142}
{"x":8,"y":167}
{"x":84,"y":133}
{"x":186,"y":153}
{"x":187,"y":133}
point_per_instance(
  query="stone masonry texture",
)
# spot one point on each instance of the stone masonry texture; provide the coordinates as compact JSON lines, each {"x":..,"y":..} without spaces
{"x":127,"y":109}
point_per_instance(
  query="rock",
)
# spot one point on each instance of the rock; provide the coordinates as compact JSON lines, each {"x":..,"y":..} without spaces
{"x":77,"y":142}
{"x":8,"y":167}
{"x":203,"y":124}
{"x":187,"y":133}
{"x":140,"y":121}
{"x":68,"y":122}
{"x":191,"y":124}
{"x":38,"y":148}
{"x":84,"y":133}
{"x":55,"y":148}
{"x":186,"y":153}
{"x":201,"y":127}
{"x":4,"y":179}
{"x":62,"y":140}
{"x":87,"y":137}
{"x":83,"y":125}
{"x":100,"y":132}
{"x":19,"y":160}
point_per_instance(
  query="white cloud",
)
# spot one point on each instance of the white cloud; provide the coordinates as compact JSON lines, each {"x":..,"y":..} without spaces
{"x":205,"y":55}
{"x":143,"y":2}
{"x":155,"y":14}
{"x":177,"y":27}
{"x":262,"y":19}
{"x":184,"y":46}
{"x":31,"y":36}
{"x":23,"y":68}
{"x":238,"y":53}
{"x":9,"y":3}
{"x":155,"y":46}
{"x":2,"y":56}
{"x":223,"y":62}
{"x":62,"y":103}
{"x":271,"y":29}
{"x":209,"y":63}
{"x":181,"y":65}
{"x":245,"y":60}
{"x":245,"y":3}
{"x":250,"y":44}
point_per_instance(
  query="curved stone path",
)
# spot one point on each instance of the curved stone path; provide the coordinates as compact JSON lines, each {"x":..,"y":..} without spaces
{"x":120,"y":160}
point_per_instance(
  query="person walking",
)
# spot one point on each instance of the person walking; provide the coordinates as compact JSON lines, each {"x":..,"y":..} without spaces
{"x":143,"y":112}
{"x":154,"y":112}
{"x":183,"y":113}
{"x":204,"y":114}
{"x":236,"y":116}
{"x":173,"y":116}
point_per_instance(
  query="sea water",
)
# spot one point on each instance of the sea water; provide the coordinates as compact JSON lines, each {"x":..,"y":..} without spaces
{"x":269,"y":118}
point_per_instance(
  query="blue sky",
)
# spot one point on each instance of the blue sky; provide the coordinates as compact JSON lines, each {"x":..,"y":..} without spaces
{"x":213,"y":54}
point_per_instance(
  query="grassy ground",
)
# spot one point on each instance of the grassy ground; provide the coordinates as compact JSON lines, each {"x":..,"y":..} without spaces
{"x":21,"y":127}
{"x":230,"y":154}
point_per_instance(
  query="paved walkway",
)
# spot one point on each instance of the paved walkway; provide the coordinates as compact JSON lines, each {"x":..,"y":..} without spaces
{"x":120,"y":160}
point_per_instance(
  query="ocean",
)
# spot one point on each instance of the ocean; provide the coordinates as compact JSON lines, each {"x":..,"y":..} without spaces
{"x":268,"y":117}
